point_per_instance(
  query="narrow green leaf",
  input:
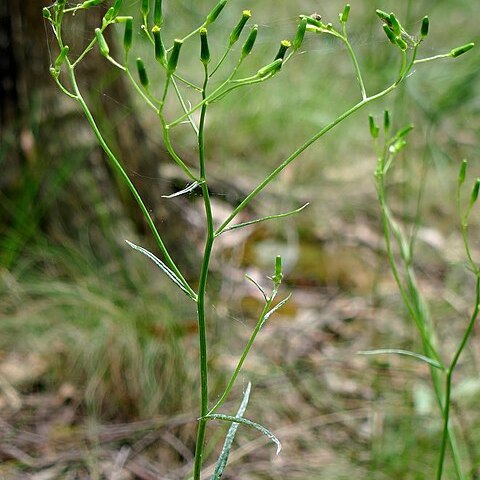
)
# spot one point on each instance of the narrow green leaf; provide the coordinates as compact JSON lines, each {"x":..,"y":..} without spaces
{"x":187,"y":189}
{"x":249,"y":423}
{"x":274,"y":309}
{"x":251,"y":279}
{"x":407,"y":353}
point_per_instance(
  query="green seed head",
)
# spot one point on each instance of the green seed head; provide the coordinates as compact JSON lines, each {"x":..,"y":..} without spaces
{"x":456,"y":52}
{"x":475,"y":192}
{"x":300,"y":35}
{"x":173,"y":59}
{"x":102,"y":44}
{"x":270,"y":69}
{"x":386,"y":120}
{"x":284,"y":46}
{"x":424,"y":27}
{"x":344,"y":15}
{"x":215,"y":12}
{"x":235,"y":35}
{"x":204,"y":49}
{"x":159,"y":47}
{"x":157,"y":13}
{"x":277,"y":277}
{"x":463,"y":172}
{"x":373,"y":127}
{"x":128,"y":35}
{"x":142,"y":73}
{"x":401,"y":43}
{"x":250,"y":41}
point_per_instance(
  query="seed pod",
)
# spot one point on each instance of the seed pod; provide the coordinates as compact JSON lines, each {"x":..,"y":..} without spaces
{"x":128,"y":35}
{"x":235,"y":35}
{"x":116,"y":7}
{"x":424,"y":27}
{"x":145,"y":9}
{"x":142,"y":73}
{"x":270,"y":69}
{"x":463,"y":172}
{"x":204,"y":50}
{"x":250,"y":41}
{"x":173,"y":59}
{"x":157,"y":13}
{"x":215,"y":12}
{"x":475,"y":192}
{"x":386,"y":120}
{"x":395,"y":24}
{"x":300,"y":35}
{"x":102,"y":44}
{"x":159,"y":47}
{"x":456,"y":52}
{"x":373,"y":127}
{"x":390,"y":34}
{"x":61,"y":57}
{"x":344,"y":15}
{"x":284,"y":46}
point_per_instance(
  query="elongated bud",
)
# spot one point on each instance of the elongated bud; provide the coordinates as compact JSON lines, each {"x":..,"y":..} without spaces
{"x":270,"y":69}
{"x":122,"y":19}
{"x":46,"y":13}
{"x":462,"y":174}
{"x":108,"y":17}
{"x":157,"y":13}
{"x":128,"y":35}
{"x":386,"y":120}
{"x":384,"y":16}
{"x":344,"y":15}
{"x":145,"y":9}
{"x":116,"y":7}
{"x":215,"y":12}
{"x":61,"y":57}
{"x":160,"y":55}
{"x":424,"y":27}
{"x":373,"y":127}
{"x":277,"y":277}
{"x":397,"y":146}
{"x":390,"y":34}
{"x":300,"y":35}
{"x":284,"y":46}
{"x":102,"y":44}
{"x":405,"y":131}
{"x":142,"y":73}
{"x":204,"y":50}
{"x":401,"y":43}
{"x":235,"y":35}
{"x":173,"y":59}
{"x":475,"y":192}
{"x":395,"y":24}
{"x":315,"y":21}
{"x":456,"y":52}
{"x":91,"y":3}
{"x":250,"y":41}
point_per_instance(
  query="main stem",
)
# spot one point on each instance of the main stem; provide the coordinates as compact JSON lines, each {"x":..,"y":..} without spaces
{"x":201,"y":314}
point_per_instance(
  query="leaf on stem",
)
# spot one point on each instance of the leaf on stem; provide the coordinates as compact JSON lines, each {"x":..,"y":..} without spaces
{"x":187,"y":189}
{"x":249,"y":423}
{"x":407,"y":353}
{"x":274,"y":309}
{"x":227,"y":446}
{"x":171,"y":275}
{"x":251,"y":279}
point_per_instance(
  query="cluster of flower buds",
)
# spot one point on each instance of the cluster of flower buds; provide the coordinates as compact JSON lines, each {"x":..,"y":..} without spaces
{"x":394,"y":30}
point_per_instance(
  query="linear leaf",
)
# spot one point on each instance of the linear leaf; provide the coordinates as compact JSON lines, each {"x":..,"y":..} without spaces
{"x":244,"y":421}
{"x":251,"y":279}
{"x":407,"y":353}
{"x":263,"y":219}
{"x":187,"y":189}
{"x":162,"y":267}
{"x":274,"y":309}
{"x":227,"y":446}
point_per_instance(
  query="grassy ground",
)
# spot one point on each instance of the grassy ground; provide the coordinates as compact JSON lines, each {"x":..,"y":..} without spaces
{"x":98,"y":355}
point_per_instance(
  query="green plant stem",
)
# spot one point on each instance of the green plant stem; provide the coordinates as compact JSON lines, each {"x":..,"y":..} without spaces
{"x":358,"y":72}
{"x":123,"y":174}
{"x":201,"y":311}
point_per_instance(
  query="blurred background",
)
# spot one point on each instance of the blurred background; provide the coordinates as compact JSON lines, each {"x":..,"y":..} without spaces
{"x":98,"y":352}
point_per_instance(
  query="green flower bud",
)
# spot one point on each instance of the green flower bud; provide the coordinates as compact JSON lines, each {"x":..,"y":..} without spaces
{"x":235,"y":35}
{"x":173,"y":59}
{"x":116,"y":7}
{"x":424,"y":27}
{"x":284,"y":46}
{"x":46,"y":13}
{"x":300,"y":35}
{"x":373,"y":127}
{"x":142,"y":73}
{"x":390,"y":34}
{"x":123,"y":19}
{"x":204,"y":50}
{"x":213,"y":15}
{"x":462,"y":174}
{"x":270,"y":69}
{"x":61,"y":57}
{"x":145,"y":9}
{"x":91,"y":3}
{"x":160,"y":55}
{"x":405,"y":131}
{"x":102,"y":44}
{"x":344,"y":15}
{"x":128,"y":35}
{"x":475,"y":191}
{"x":401,"y":43}
{"x":157,"y":13}
{"x":397,"y":146}
{"x":108,"y":17}
{"x":314,"y":21}
{"x":250,"y":41}
{"x":395,"y":24}
{"x":277,"y":277}
{"x":384,"y":16}
{"x":386,"y":120}
{"x":456,"y":52}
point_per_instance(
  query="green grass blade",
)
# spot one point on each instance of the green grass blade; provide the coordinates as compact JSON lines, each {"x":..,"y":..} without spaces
{"x":394,"y":351}
{"x":227,"y":446}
